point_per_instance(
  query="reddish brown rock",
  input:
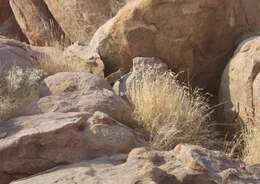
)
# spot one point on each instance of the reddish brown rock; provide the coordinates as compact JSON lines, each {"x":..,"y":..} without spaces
{"x":8,"y":24}
{"x":195,"y":36}
{"x":36,"y":22}
{"x":81,"y":18}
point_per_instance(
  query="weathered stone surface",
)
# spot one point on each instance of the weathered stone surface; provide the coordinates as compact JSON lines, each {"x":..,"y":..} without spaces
{"x":239,"y":90}
{"x":79,"y":91}
{"x":80,"y":18}
{"x":184,"y":165}
{"x":40,"y":142}
{"x":185,"y":34}
{"x":140,"y":66}
{"x":14,"y":53}
{"x":36,"y":22}
{"x":93,"y":63}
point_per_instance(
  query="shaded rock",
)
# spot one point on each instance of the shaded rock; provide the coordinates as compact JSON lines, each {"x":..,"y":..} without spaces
{"x":8,"y":24}
{"x":185,"y":34}
{"x":140,"y":66}
{"x":80,"y":18}
{"x":79,"y":91}
{"x":239,"y":90}
{"x":184,"y":165}
{"x":36,"y":22}
{"x":40,"y":142}
{"x":4,"y":178}
{"x":11,"y":29}
{"x":5,"y":10}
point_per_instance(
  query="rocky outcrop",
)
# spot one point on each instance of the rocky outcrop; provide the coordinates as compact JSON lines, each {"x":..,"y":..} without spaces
{"x":81,"y":18}
{"x":36,"y":143}
{"x":184,"y":165}
{"x":185,"y":34}
{"x":36,"y":22}
{"x":77,"y":92}
{"x":239,"y":90}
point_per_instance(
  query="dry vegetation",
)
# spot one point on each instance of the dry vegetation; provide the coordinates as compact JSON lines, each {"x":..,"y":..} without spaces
{"x":245,"y":143}
{"x":56,"y":63}
{"x":18,"y":88}
{"x":251,"y":152}
{"x":171,"y":113}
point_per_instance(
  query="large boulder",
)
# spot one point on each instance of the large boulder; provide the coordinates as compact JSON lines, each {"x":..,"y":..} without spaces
{"x":184,"y":165}
{"x":36,"y":143}
{"x":77,"y":92}
{"x":81,"y":18}
{"x":36,"y":22}
{"x":240,"y":86}
{"x":14,"y":53}
{"x":193,"y":36}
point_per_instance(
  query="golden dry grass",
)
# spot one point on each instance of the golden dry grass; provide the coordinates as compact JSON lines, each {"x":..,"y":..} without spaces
{"x":245,"y":143}
{"x":251,"y":153}
{"x":170,"y":112}
{"x":56,"y":63}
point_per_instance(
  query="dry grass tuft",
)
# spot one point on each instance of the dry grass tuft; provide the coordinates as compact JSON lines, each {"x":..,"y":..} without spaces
{"x":245,"y":144}
{"x":56,"y":63}
{"x":171,"y":113}
{"x":251,"y":153}
{"x":17,"y":88}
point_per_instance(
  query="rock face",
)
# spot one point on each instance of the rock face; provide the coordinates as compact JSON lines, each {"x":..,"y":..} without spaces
{"x":81,"y":18}
{"x":8,"y":24}
{"x":36,"y":22}
{"x":77,"y":92}
{"x":36,"y":143}
{"x":93,"y":63}
{"x":14,"y":53}
{"x":5,"y":179}
{"x":185,"y":34}
{"x":184,"y":165}
{"x":240,"y":85}
{"x":5,"y":10}
{"x":10,"y":29}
